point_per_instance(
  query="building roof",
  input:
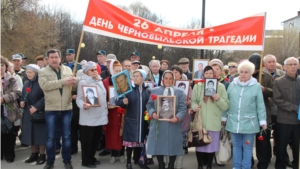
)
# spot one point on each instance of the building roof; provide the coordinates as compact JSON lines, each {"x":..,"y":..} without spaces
{"x":298,"y":16}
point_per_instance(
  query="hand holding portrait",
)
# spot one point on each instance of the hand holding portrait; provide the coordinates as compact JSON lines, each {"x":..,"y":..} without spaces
{"x":154,"y":116}
{"x":216,"y":97}
{"x":86,"y":106}
{"x":125,"y":101}
{"x":173,"y":120}
{"x":22,"y":104}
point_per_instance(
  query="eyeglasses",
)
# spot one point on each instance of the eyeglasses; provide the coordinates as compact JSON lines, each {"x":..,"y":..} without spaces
{"x":292,"y":64}
{"x":93,"y":70}
{"x":231,"y":66}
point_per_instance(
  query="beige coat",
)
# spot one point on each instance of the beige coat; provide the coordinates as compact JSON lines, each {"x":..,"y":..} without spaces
{"x":49,"y":83}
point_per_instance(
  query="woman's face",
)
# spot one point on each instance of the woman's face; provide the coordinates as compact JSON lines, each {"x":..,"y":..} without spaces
{"x":217,"y":70}
{"x":121,"y":82}
{"x":10,"y":69}
{"x":168,"y":80}
{"x":245,"y":74}
{"x":3,"y":68}
{"x":117,"y":69}
{"x":137,"y":78}
{"x":209,"y":74}
{"x":30,"y":74}
{"x":176,"y":74}
{"x":93,"y":72}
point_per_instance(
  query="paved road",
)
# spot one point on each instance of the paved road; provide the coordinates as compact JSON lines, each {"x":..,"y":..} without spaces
{"x":22,"y":153}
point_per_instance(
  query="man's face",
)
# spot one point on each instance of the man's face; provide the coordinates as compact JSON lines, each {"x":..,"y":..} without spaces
{"x":127,"y":66}
{"x":164,"y":66}
{"x":90,"y":94}
{"x":210,"y":85}
{"x":200,"y":67}
{"x":54,"y":60}
{"x":40,"y":63}
{"x":70,"y":57}
{"x":154,"y":68}
{"x":270,"y":64}
{"x":165,"y":105}
{"x":17,"y":63}
{"x":134,"y":58}
{"x":121,"y":82}
{"x":291,"y":67}
{"x":101,"y":58}
{"x":134,"y":66}
{"x":184,"y":66}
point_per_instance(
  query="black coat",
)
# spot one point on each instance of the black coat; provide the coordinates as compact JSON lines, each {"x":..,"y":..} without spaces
{"x":135,"y":127}
{"x":33,"y":133}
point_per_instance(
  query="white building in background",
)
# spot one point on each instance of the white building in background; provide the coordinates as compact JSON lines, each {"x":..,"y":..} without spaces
{"x":292,"y":22}
{"x":292,"y":26}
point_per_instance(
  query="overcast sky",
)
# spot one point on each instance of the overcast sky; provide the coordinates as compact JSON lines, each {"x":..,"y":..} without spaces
{"x":179,"y":12}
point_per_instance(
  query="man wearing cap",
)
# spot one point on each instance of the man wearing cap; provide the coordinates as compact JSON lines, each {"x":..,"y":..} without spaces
{"x":23,"y":61}
{"x":184,"y":64}
{"x":109,"y":58}
{"x":56,"y":81}
{"x":17,"y":61}
{"x":135,"y":56}
{"x":101,"y":57}
{"x":70,"y":57}
{"x":263,"y":147}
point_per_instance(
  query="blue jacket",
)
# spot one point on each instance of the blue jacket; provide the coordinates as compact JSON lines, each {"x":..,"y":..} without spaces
{"x":246,"y":107}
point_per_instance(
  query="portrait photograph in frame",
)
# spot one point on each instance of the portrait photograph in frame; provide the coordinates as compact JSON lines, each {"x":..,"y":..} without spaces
{"x":90,"y":95}
{"x":112,"y":95}
{"x":184,"y":85}
{"x":210,"y":86}
{"x":150,"y":84}
{"x":122,"y":84}
{"x":198,"y":67}
{"x":166,"y":107}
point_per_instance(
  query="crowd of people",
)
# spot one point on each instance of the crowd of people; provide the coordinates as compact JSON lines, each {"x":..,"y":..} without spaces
{"x":78,"y":105}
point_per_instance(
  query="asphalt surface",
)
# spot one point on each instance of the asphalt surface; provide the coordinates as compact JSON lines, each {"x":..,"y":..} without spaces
{"x":190,"y":162}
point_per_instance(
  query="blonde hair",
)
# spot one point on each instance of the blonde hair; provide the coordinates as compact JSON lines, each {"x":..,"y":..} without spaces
{"x":278,"y":66}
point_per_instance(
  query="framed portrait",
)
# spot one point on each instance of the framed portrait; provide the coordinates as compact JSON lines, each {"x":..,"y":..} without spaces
{"x":166,"y":107}
{"x":90,"y":95}
{"x":210,"y":86}
{"x":150,"y":84}
{"x":112,"y":95}
{"x":198,"y":67}
{"x":184,"y":85}
{"x":122,"y":84}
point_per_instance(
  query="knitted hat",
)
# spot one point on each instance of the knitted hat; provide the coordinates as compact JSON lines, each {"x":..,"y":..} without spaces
{"x":88,"y":65}
{"x":216,"y":62}
{"x":33,"y":67}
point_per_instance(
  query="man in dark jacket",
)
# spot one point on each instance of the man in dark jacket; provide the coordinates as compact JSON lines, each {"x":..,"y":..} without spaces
{"x":286,"y":97}
{"x":263,"y":147}
{"x":184,"y":64}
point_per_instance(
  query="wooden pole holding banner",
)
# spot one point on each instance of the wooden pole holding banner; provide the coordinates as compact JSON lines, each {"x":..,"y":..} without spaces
{"x":260,"y":67}
{"x":76,"y":61}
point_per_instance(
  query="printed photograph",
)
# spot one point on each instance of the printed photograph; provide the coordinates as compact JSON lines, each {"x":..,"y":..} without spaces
{"x":184,"y":85}
{"x":112,"y":96}
{"x":166,"y":107}
{"x":198,"y":67}
{"x":90,"y":94}
{"x":122,"y":84}
{"x":211,"y":86}
{"x":150,"y":84}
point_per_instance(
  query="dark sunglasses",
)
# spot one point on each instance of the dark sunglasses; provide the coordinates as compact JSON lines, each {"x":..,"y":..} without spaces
{"x":93,"y":70}
{"x":231,"y":66}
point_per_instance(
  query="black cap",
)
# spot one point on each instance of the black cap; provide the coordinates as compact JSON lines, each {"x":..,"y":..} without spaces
{"x":255,"y":59}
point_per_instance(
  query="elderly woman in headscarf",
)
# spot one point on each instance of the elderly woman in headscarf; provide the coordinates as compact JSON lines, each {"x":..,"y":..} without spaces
{"x":91,"y":119}
{"x":9,"y":95}
{"x":211,"y":109}
{"x":32,"y":100}
{"x":135,"y":127}
{"x":165,"y":137}
{"x":113,"y":140}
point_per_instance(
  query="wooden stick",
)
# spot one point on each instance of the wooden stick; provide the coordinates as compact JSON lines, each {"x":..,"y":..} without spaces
{"x":76,"y":61}
{"x":260,"y":67}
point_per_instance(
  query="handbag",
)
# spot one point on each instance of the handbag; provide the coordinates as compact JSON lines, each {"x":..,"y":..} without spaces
{"x":38,"y":117}
{"x":198,"y":136}
{"x":7,"y":126}
{"x":224,"y":154}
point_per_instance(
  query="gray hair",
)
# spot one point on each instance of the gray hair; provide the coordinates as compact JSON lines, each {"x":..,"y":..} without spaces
{"x":154,"y":61}
{"x":248,"y":65}
{"x":269,"y":56}
{"x":290,"y":58}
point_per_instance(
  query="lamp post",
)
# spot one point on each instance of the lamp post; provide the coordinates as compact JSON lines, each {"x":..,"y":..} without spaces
{"x":159,"y":47}
{"x":153,"y":57}
{"x":203,"y":25}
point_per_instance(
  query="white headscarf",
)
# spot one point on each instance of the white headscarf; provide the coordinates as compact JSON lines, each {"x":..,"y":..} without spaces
{"x":166,"y":91}
{"x":111,"y":66}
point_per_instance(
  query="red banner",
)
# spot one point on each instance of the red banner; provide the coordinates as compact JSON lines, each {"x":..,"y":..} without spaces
{"x":106,"y":19}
